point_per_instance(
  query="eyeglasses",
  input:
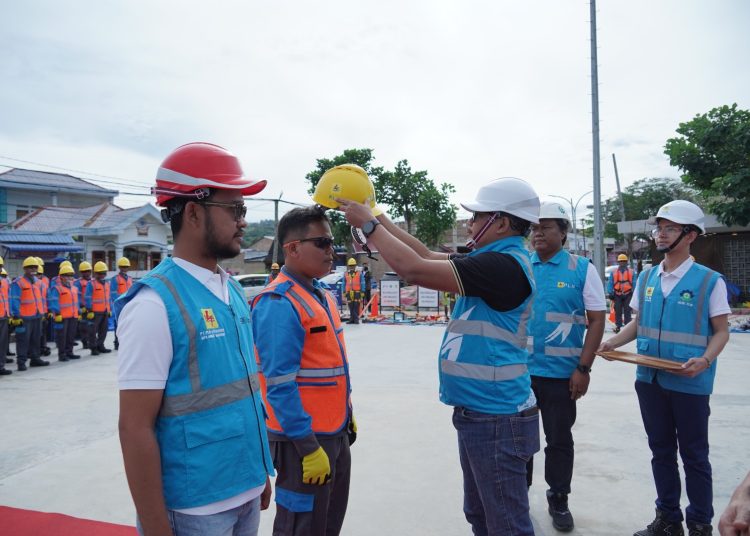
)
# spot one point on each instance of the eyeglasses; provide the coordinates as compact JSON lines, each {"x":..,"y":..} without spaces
{"x":320,"y":242}
{"x":239,"y":210}
{"x":668,"y":229}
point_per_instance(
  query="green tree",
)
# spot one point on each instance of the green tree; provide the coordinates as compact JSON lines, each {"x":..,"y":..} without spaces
{"x":257,"y":230}
{"x":713,"y":152}
{"x":435,"y":214}
{"x":363,"y":158}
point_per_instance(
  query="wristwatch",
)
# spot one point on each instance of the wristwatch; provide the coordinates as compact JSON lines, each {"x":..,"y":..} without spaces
{"x":583,"y":369}
{"x":369,"y":227}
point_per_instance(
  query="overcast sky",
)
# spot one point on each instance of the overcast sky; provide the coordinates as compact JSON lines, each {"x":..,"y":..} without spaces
{"x":468,"y":90}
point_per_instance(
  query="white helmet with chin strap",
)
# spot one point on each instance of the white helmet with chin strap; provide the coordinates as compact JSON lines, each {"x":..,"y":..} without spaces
{"x":552,"y":210}
{"x":507,"y":194}
{"x":683,"y":212}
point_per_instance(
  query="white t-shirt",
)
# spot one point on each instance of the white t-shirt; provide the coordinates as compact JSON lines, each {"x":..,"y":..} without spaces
{"x":717,"y":302}
{"x":593,"y":291}
{"x":145,"y":353}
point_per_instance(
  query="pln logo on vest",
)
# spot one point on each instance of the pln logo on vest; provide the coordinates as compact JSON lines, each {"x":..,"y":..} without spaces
{"x":649,"y":293}
{"x":564,"y":284}
{"x":209,"y":319}
{"x":686,"y":298}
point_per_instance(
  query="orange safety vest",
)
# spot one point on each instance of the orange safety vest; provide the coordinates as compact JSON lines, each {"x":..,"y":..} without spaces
{"x":82,"y":295}
{"x":67,"y":300}
{"x":4,"y":291}
{"x":123,"y":284}
{"x":323,"y":375}
{"x":31,"y":298}
{"x":100,"y":296}
{"x":353,"y":281}
{"x":623,"y":281}
{"x":42,"y":281}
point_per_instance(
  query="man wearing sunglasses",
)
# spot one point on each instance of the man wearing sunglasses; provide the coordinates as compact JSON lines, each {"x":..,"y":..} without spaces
{"x":299,"y":342}
{"x":483,"y":358}
{"x":192,"y":426}
{"x":681,"y":314}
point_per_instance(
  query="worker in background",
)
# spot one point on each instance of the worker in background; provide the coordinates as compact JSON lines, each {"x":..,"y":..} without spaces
{"x":191,"y":415}
{"x":63,"y":305}
{"x":27,"y":309}
{"x":11,"y":329}
{"x":81,"y":284}
{"x":4,"y":317}
{"x":98,"y":304}
{"x":305,"y":381}
{"x":354,"y":283}
{"x":620,"y":289}
{"x":367,"y":282}
{"x":43,"y":282}
{"x":569,"y":296}
{"x":120,"y":284}
{"x":274,"y":272}
{"x":681,"y":315}
{"x":483,"y":358}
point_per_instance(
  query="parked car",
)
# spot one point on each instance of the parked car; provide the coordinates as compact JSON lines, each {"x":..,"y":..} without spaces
{"x":252,"y":284}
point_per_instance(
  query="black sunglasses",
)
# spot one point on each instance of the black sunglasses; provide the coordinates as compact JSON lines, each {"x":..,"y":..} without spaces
{"x":321,"y":242}
{"x":239,"y":210}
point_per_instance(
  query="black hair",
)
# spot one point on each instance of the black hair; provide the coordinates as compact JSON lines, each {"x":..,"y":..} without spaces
{"x":175,"y":209}
{"x":297,"y":220}
{"x":564,"y":226}
{"x":519,"y":225}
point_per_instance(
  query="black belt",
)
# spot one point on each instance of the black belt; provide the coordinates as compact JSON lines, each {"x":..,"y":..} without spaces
{"x":529,"y":412}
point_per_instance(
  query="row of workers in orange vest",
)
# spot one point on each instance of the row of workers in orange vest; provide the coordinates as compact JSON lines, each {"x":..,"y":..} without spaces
{"x":33,"y":305}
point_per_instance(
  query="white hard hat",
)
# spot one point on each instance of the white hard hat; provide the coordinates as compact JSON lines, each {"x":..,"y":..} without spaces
{"x":553,"y":210}
{"x":508,"y":194}
{"x":683,"y":212}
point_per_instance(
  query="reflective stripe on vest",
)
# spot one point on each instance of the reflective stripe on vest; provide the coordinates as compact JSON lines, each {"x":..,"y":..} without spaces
{"x":43,"y":282}
{"x":100,"y":296}
{"x":623,"y":286}
{"x":123,"y":284}
{"x":31,"y":299}
{"x":353,"y":281}
{"x":322,"y":363}
{"x":67,"y":301}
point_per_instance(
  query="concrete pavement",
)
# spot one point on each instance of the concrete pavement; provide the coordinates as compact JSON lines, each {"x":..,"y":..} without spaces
{"x":60,"y":451}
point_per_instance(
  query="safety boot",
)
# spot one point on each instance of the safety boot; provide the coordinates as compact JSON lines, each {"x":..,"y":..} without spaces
{"x":661,"y":527}
{"x":104,"y":350}
{"x":5,"y":372}
{"x":36,"y":362}
{"x":74,"y":356}
{"x":562,"y":519}
{"x":9,"y":360}
{"x":699,"y":529}
{"x":63,"y":358}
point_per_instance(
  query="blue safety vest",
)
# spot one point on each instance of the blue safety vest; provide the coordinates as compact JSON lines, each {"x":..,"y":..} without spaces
{"x":558,"y":320}
{"x":483,"y":356}
{"x":211,"y":427}
{"x":676,"y":327}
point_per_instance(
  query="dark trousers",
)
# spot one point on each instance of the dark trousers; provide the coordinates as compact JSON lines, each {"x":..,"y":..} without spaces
{"x":329,"y":500}
{"x":678,"y":421}
{"x":3,"y":341}
{"x":84,"y":327}
{"x":622,"y":307}
{"x":98,"y":331}
{"x":65,"y":333}
{"x":354,"y":311}
{"x":28,"y":339}
{"x":558,"y":416}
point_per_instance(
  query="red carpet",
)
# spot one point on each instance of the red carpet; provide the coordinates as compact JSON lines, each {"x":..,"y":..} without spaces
{"x":17,"y":522}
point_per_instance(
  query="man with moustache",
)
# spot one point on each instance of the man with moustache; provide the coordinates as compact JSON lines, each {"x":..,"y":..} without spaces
{"x":305,"y":377}
{"x":191,"y":415}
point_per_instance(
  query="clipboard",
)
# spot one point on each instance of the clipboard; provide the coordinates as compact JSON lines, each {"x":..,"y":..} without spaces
{"x":638,"y":359}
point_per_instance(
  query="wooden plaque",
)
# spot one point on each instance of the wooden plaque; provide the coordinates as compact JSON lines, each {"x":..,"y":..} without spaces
{"x":638,"y":359}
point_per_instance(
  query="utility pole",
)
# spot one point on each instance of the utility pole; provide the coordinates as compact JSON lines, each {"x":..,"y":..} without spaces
{"x":275,"y":201}
{"x":599,"y":252}
{"x":622,"y":205}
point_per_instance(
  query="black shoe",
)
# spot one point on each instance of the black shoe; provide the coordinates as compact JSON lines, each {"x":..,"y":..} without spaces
{"x":617,"y":329}
{"x":9,"y":360}
{"x":38,"y":362}
{"x":74,"y":356}
{"x":661,"y":527}
{"x":104,"y":350}
{"x":85,"y":346}
{"x":562,"y":519}
{"x":94,"y":352}
{"x":76,"y":343}
{"x":5,"y":372}
{"x":21,"y":367}
{"x":699,"y":529}
{"x":117,"y":346}
{"x":46,"y":351}
{"x":63,"y":358}
{"x":11,"y":353}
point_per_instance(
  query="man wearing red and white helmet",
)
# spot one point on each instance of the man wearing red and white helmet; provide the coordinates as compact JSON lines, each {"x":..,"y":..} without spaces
{"x":192,"y":424}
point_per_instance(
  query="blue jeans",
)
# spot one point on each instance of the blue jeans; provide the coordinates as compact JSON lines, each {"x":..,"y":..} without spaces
{"x":494,"y":450}
{"x":241,"y":521}
{"x":673,"y":421}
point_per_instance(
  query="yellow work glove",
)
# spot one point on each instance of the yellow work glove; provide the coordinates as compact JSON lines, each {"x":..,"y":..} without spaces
{"x":80,"y":317}
{"x":58,"y":318}
{"x":16,"y":322}
{"x":89,"y":316}
{"x":82,"y":310}
{"x":316,"y":469}
{"x":352,"y":430}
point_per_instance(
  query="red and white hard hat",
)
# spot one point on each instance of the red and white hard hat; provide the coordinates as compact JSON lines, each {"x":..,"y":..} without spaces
{"x":193,"y":168}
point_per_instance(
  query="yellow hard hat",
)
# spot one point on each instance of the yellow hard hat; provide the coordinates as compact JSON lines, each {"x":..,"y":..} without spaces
{"x":351,"y":262}
{"x":275,"y":266}
{"x":40,"y":265}
{"x":100,"y":267}
{"x":622,"y":257}
{"x":66,"y":269}
{"x":66,"y":263}
{"x":40,"y":260}
{"x":85,"y":266}
{"x":124,"y":262}
{"x":347,"y":181}
{"x":2,"y":262}
{"x":30,"y":261}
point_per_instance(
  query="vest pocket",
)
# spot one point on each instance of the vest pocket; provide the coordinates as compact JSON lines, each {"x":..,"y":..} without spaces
{"x":642,"y":346}
{"x":217,"y":452}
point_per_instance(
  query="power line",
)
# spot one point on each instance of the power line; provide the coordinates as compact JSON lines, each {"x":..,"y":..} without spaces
{"x":128,"y":183}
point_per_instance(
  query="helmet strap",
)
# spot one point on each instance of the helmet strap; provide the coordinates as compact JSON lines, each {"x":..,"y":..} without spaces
{"x":472,"y":242}
{"x":674,"y":244}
